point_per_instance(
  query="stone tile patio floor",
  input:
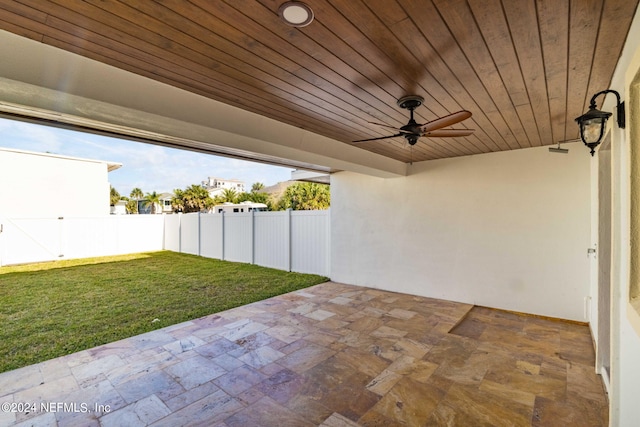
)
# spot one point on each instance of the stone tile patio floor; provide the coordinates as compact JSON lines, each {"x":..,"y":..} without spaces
{"x":330,"y":355}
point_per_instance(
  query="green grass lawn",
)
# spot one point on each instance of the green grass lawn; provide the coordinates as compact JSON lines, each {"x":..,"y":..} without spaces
{"x":52,"y":309}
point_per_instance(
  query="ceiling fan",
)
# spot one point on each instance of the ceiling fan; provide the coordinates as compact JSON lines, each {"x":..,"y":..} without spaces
{"x":412,"y":130}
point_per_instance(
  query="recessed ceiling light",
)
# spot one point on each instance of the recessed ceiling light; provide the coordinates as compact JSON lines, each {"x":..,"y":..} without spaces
{"x":296,"y":14}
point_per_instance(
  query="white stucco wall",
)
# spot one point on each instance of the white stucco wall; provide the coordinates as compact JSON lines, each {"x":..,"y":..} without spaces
{"x":507,"y":230}
{"x":40,"y":185}
{"x":625,"y":345}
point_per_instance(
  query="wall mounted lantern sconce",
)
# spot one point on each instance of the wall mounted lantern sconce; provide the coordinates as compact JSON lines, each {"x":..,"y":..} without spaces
{"x":592,"y":122}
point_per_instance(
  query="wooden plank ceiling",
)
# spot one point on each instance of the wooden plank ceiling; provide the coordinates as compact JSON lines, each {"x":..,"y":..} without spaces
{"x":524,"y":68}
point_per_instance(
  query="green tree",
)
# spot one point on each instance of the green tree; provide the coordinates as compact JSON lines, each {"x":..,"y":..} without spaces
{"x":177,"y":201}
{"x":253,"y":197}
{"x":132,"y":206}
{"x":194,"y":198}
{"x":305,"y":196}
{"x":257,"y":186}
{"x":256,"y":198}
{"x":228,"y":195}
{"x":152,"y":199}
{"x":135,"y":195}
{"x":114,"y":196}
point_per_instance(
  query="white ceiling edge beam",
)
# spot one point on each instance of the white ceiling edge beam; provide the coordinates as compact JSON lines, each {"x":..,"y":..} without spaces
{"x":310,"y":176}
{"x":52,"y":81}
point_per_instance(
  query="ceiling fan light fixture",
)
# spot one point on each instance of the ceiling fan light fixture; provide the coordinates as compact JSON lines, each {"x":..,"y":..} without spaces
{"x":295,"y":13}
{"x":412,"y":139}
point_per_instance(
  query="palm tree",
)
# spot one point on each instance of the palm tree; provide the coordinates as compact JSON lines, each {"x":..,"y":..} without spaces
{"x":152,"y":199}
{"x":305,"y":196}
{"x":197,"y":198}
{"x":132,"y":206}
{"x":194,"y":198}
{"x":228,"y":195}
{"x":136,"y":194}
{"x":114,"y":196}
{"x":257,"y":186}
{"x":254,"y":197}
{"x":177,"y":201}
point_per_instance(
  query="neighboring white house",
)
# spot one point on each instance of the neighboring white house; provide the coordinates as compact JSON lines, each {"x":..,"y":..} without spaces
{"x":44,"y":185}
{"x":216,"y":186}
{"x":214,"y":192}
{"x":163,"y":207}
{"x":120,"y":208}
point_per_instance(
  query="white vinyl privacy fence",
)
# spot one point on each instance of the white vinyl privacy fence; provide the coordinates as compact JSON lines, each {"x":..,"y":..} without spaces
{"x":29,"y":240}
{"x":287,"y":240}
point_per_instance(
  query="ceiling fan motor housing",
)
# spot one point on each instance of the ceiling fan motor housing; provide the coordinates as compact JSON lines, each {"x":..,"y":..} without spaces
{"x":410,"y":102}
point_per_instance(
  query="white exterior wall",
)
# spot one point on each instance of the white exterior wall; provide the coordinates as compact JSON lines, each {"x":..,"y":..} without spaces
{"x":40,"y":185}
{"x":625,"y":324}
{"x":508,"y":230}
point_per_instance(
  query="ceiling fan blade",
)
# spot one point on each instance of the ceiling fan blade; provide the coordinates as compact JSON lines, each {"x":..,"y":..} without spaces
{"x":445,"y":121}
{"x":382,"y":137}
{"x":445,"y":133}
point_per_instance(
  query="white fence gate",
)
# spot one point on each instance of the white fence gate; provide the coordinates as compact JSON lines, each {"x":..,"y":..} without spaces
{"x":286,"y":240}
{"x":29,"y":240}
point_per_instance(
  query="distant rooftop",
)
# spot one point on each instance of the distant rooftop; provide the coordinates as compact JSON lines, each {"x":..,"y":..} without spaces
{"x":111,"y":166}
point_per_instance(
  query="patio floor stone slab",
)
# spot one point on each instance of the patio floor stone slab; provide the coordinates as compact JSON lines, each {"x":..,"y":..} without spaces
{"x":331,"y":355}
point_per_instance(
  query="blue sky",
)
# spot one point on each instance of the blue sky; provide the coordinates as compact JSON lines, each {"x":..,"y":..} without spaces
{"x":148,"y":167}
